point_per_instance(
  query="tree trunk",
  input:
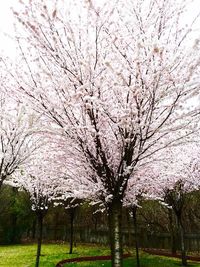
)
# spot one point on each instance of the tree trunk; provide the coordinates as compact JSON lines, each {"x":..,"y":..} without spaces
{"x":39,"y":243}
{"x":71,"y":213}
{"x":1,"y":181}
{"x":129,"y":227}
{"x":134,"y":212}
{"x":173,"y":232}
{"x":115,"y":231}
{"x":183,"y":249}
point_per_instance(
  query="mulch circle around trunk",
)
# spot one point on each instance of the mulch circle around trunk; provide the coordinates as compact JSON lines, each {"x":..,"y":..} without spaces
{"x":170,"y":255}
{"x":92,"y":258}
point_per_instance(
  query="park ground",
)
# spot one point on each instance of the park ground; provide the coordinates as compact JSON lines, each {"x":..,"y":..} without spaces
{"x":24,"y":256}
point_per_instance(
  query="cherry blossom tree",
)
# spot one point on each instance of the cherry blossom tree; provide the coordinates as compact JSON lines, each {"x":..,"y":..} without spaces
{"x":18,"y":136}
{"x":174,"y":181}
{"x":48,"y":178}
{"x":41,"y":179}
{"x":119,"y":80}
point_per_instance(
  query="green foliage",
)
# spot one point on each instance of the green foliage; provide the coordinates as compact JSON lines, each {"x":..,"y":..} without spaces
{"x":15,"y":215}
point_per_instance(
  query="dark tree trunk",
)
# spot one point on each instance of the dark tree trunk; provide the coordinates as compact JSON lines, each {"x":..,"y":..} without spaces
{"x":95,"y":221}
{"x":176,"y":199}
{"x":134,"y":213}
{"x":39,"y":242}
{"x":183,"y":249}
{"x":115,"y":231}
{"x":173,"y":232}
{"x":129,"y":227}
{"x":72,"y":214}
{"x":182,"y":239}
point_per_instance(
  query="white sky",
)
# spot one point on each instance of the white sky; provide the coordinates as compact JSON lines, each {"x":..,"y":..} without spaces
{"x":6,"y":23}
{"x":6,"y":26}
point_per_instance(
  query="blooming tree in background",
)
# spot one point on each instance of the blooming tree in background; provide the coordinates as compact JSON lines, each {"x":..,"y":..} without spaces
{"x":118,"y":79}
{"x":71,"y":193}
{"x":70,"y":202}
{"x":138,"y":189}
{"x":175,"y":179}
{"x":49,"y":178}
{"x":42,"y":179}
{"x":18,"y":136}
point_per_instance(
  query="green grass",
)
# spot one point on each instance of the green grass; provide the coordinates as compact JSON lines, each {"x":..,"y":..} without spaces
{"x":24,"y":256}
{"x":145,"y":261}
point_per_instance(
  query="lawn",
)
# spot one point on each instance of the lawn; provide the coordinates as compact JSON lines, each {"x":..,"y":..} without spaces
{"x":24,"y":256}
{"x":146,"y":261}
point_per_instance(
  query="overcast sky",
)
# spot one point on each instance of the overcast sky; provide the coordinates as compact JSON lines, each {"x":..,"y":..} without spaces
{"x":6,"y":23}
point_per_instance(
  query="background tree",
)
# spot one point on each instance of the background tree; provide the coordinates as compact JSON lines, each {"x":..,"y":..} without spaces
{"x":66,"y":197}
{"x":15,"y":215}
{"x":19,"y":139}
{"x":18,"y":135}
{"x":71,"y":208}
{"x":41,"y":179}
{"x":138,"y":190}
{"x":175,"y":182}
